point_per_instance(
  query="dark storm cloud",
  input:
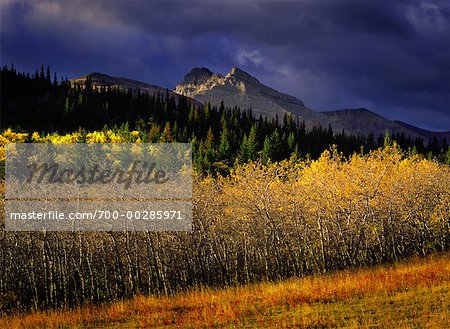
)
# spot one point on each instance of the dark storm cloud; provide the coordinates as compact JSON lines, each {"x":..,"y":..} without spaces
{"x":391,"y":57}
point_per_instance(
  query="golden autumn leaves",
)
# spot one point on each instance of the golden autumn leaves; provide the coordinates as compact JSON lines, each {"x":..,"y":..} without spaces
{"x":108,"y":136}
{"x":339,"y":212}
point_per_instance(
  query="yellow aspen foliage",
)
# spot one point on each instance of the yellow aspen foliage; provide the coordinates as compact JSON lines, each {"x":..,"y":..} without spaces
{"x":346,"y":208}
{"x":96,"y":137}
{"x":60,"y":139}
{"x":8,"y":136}
{"x":112,"y":137}
{"x":14,"y":137}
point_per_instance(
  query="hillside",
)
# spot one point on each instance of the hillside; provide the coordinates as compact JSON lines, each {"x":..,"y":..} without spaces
{"x":415,"y":293}
{"x":440,"y":136}
{"x":364,"y":121}
{"x":99,"y":80}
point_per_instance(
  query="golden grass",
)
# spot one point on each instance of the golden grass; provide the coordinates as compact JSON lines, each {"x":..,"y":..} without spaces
{"x":409,"y":294}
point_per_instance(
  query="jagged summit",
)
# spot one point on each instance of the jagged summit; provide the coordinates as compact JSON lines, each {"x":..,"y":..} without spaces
{"x":197,"y":76}
{"x":199,"y":80}
{"x":239,"y":88}
{"x":241,"y":75}
{"x":98,"y":75}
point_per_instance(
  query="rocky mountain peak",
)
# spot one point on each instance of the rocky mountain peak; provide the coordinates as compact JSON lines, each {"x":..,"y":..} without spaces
{"x":239,"y":88}
{"x":198,"y":80}
{"x":197,"y":76}
{"x":241,"y":75}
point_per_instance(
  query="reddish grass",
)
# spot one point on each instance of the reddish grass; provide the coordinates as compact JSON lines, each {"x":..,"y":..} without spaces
{"x":413,"y":293}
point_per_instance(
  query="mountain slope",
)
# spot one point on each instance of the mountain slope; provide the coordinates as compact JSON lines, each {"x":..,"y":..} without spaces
{"x":364,"y":121}
{"x":238,"y":88}
{"x":440,"y":136}
{"x":99,"y":80}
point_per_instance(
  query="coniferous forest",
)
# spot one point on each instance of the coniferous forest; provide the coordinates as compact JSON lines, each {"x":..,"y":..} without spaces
{"x":42,"y":103}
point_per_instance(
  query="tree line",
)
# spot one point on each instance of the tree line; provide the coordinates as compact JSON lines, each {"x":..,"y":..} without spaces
{"x":221,"y":136}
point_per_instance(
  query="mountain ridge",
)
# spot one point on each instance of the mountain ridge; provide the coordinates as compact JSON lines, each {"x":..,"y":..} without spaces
{"x":241,"y":89}
{"x":99,"y":80}
{"x":365,"y":121}
{"x":439,"y":135}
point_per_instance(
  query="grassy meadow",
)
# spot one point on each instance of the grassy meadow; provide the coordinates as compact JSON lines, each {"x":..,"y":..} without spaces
{"x":410,"y":294}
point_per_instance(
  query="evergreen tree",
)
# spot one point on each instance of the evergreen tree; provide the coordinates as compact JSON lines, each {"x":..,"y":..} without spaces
{"x":48,"y":77}
{"x":42,"y":74}
{"x":209,"y":141}
{"x":224,"y":147}
{"x":175,"y":131}
{"x":295,"y":155}
{"x":266,"y":151}
{"x":291,"y":142}
{"x":243,"y":151}
{"x":252,"y":145}
{"x":275,"y":146}
{"x":447,"y":156}
{"x":166,"y":136}
{"x":387,"y":139}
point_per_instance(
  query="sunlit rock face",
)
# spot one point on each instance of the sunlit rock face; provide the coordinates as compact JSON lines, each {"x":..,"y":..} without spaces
{"x":239,"y":88}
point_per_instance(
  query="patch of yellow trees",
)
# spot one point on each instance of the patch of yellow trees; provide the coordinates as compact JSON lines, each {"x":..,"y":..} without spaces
{"x":297,"y":217}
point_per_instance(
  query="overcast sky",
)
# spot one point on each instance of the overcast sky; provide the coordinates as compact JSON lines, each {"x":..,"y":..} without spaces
{"x":393,"y":58}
